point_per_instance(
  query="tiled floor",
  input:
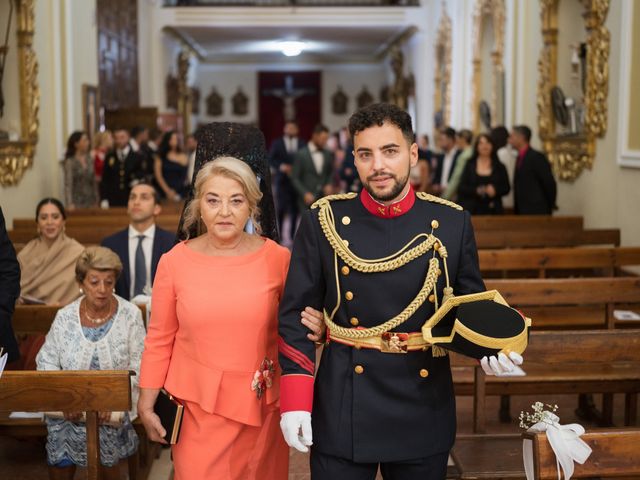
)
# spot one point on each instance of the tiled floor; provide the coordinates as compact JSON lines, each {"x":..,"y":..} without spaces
{"x":25,"y":459}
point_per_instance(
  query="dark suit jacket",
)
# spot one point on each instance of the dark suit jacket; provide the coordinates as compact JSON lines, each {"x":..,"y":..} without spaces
{"x":390,"y":413}
{"x":305,"y":178}
{"x":9,"y":292}
{"x":534,"y":187}
{"x":117,"y":177}
{"x":119,"y":243}
{"x":440,"y":165}
{"x":278,"y":155}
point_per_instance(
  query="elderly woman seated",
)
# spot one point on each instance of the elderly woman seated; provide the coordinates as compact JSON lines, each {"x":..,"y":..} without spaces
{"x":98,"y":331}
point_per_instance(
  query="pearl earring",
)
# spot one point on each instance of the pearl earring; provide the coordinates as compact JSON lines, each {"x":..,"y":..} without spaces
{"x":81,"y":291}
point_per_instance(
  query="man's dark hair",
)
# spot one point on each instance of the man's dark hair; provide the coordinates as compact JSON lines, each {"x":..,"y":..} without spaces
{"x":524,"y":131}
{"x":379,"y":114}
{"x":449,"y":132}
{"x":467,"y":135}
{"x":137,"y":130}
{"x":500,"y":136}
{"x":155,"y":134}
{"x":319,"y":128}
{"x":156,"y":195}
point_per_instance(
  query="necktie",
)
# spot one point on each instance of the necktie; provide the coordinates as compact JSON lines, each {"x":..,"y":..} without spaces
{"x":141,"y":269}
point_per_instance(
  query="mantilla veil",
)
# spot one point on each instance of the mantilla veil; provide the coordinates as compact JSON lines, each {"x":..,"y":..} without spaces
{"x":246,"y":143}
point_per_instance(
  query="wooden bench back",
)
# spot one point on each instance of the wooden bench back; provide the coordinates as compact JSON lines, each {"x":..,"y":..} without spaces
{"x":85,"y":234}
{"x":521,"y":238}
{"x":117,"y":222}
{"x":167,"y":208}
{"x":569,"y":302}
{"x":525,"y":222}
{"x":87,"y":391}
{"x":37,"y":319}
{"x":615,"y":453}
{"x":543,"y":260}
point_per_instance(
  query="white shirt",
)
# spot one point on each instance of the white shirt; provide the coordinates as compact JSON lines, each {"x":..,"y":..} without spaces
{"x":291,"y":144}
{"x":446,"y":166}
{"x":147,"y":249}
{"x":134,"y":145}
{"x":317,"y":156}
{"x":122,"y":154}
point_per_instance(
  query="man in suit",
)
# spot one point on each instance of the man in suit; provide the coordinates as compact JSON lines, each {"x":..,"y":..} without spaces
{"x":9,"y":292}
{"x":281,"y":155}
{"x":122,"y":168}
{"x":376,"y":402}
{"x":141,"y":245}
{"x":446,"y":161}
{"x":312,"y":168}
{"x":140,"y":144}
{"x":534,"y":187}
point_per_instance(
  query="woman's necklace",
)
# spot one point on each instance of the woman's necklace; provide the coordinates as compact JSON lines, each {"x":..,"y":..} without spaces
{"x":99,"y":320}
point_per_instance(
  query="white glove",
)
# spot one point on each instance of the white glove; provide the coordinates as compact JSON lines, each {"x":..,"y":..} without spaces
{"x":501,"y":364}
{"x":291,"y":423}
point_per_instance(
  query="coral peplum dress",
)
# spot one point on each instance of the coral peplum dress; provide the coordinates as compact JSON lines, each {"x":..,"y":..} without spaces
{"x":212,"y":342}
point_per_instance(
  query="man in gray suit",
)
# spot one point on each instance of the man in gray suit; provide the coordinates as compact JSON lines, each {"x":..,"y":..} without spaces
{"x":312,"y":169}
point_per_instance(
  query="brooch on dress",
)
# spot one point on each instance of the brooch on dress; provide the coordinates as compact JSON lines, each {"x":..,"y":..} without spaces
{"x":263,"y":378}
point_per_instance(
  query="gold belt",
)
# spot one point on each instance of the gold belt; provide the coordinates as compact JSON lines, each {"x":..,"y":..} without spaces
{"x":389,"y":342}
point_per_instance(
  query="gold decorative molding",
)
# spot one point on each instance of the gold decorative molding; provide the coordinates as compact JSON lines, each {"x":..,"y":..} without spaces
{"x":442,"y":100}
{"x":496,"y":10}
{"x":16,"y":157}
{"x":571,"y":154}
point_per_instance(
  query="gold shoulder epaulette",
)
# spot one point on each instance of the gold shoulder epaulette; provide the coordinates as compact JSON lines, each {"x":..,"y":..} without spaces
{"x":434,"y":199}
{"x":331,"y":198}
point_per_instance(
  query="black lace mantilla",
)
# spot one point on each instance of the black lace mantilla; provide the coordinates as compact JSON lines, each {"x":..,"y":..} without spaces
{"x":246,"y":143}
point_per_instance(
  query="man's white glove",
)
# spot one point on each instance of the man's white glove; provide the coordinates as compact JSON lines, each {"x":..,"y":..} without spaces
{"x":291,"y":423}
{"x":501,"y":364}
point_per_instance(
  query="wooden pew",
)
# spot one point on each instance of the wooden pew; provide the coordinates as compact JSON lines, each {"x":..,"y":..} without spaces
{"x":543,"y":261}
{"x":615,"y":453}
{"x":562,"y":362}
{"x":87,"y":391}
{"x":167,"y":207}
{"x":85,"y":234}
{"x":116,"y":222}
{"x":546,"y":238}
{"x":570,"y":302}
{"x":526,"y":222}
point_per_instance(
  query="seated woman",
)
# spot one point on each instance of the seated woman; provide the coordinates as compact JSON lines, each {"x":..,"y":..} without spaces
{"x":484,"y":181}
{"x":98,"y":331}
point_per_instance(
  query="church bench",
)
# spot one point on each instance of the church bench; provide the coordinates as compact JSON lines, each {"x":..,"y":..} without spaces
{"x":570,"y":302}
{"x":115,"y":221}
{"x":87,"y":391}
{"x":615,"y":453}
{"x":525,"y":222}
{"x":522,"y":238}
{"x":85,"y":234}
{"x":167,"y":208}
{"x":541,"y":262}
{"x":562,"y":362}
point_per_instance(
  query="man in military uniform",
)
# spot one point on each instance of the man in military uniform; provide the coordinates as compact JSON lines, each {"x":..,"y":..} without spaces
{"x":122,"y":168}
{"x":378,"y":263}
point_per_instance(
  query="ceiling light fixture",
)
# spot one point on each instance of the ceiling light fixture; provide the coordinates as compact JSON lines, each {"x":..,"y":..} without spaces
{"x":292,"y":48}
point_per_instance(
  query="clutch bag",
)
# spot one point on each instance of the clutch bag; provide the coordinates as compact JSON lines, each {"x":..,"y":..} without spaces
{"x":170,"y":412}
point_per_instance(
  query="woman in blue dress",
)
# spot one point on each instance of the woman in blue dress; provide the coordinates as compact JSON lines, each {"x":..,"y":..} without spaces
{"x":170,"y":167}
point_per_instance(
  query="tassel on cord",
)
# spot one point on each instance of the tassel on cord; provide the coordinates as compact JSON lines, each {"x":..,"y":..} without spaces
{"x":437,"y":351}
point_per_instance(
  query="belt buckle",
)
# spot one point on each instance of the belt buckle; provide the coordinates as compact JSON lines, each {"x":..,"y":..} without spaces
{"x":394,"y":342}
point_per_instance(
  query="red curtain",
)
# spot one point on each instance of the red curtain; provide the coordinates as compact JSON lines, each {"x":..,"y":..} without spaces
{"x":271,"y":107}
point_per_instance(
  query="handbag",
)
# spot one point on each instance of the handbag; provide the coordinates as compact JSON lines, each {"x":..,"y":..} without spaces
{"x":170,"y":412}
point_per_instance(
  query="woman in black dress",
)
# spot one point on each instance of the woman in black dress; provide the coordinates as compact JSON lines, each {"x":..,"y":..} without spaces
{"x":484,"y":181}
{"x":170,"y":167}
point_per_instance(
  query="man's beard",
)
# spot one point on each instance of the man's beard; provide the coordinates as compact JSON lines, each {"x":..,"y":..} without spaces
{"x":398,"y":186}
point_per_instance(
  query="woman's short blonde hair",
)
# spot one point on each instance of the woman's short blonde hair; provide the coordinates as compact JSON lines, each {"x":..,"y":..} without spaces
{"x":99,"y":138}
{"x":234,"y":169}
{"x":97,"y":258}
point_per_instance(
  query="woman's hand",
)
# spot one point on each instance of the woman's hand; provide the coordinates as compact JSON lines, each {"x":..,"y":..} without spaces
{"x":104,"y":417}
{"x":151,"y":421}
{"x":73,"y":416}
{"x":314,"y":321}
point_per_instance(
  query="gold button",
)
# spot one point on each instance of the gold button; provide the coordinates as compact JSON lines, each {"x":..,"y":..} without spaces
{"x":434,"y":224}
{"x":348,"y":296}
{"x":346,"y":243}
{"x":346,"y":220}
{"x":345,"y":270}
{"x":359,"y":369}
{"x":424,"y":373}
{"x":354,"y":321}
{"x":432,"y":298}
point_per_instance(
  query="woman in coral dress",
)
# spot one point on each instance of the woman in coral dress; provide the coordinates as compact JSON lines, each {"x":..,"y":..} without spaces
{"x":212,"y":339}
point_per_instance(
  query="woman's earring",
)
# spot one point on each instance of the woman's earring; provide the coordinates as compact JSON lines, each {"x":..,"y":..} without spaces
{"x":81,"y":291}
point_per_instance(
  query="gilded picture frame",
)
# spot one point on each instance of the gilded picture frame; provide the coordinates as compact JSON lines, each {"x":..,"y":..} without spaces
{"x":571,"y":154}
{"x":16,"y":157}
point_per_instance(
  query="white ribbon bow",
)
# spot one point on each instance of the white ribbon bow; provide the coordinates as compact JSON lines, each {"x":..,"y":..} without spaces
{"x":565,"y":442}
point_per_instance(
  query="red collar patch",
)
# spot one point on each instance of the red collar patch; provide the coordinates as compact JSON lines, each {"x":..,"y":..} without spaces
{"x":388,"y":211}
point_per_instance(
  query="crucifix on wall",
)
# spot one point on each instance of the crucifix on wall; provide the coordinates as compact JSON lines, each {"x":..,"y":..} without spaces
{"x":289,"y":94}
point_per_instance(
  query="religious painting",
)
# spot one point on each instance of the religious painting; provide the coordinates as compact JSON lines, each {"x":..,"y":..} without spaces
{"x":195,"y":100}
{"x":240,"y":103}
{"x":214,"y":103}
{"x":171,"y":90}
{"x":91,"y":117}
{"x":289,"y":95}
{"x":339,"y":102}
{"x":364,"y":98}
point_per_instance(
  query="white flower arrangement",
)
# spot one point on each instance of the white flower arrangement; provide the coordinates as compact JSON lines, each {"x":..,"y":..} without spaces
{"x":539,"y":415}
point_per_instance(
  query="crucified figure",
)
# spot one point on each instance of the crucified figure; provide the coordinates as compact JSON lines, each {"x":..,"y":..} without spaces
{"x":289,"y":95}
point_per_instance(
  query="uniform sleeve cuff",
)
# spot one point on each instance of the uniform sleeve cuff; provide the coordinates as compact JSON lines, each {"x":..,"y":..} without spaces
{"x":296,"y":393}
